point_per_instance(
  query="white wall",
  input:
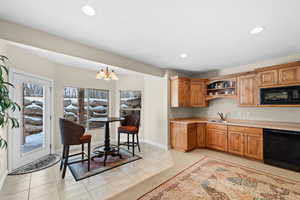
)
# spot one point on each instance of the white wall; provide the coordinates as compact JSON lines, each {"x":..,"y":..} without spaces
{"x":155,"y":101}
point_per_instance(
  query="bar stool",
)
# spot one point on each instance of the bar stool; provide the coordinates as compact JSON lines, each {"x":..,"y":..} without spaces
{"x":130,"y":126}
{"x":73,"y":134}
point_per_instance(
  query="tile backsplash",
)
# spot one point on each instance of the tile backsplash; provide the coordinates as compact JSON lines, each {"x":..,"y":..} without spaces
{"x":233,"y":111}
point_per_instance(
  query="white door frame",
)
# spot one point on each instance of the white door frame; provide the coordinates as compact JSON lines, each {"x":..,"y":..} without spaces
{"x":13,"y":71}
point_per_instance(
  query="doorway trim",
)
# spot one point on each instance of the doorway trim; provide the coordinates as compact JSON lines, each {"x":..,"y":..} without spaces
{"x":12,"y":71}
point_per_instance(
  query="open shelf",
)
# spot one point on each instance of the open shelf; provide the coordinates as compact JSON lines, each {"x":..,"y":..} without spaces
{"x":210,"y":97}
{"x":223,"y":88}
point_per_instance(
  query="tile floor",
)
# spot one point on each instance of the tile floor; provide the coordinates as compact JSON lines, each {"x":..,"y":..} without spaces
{"x":127,"y":182}
{"x":48,"y":185}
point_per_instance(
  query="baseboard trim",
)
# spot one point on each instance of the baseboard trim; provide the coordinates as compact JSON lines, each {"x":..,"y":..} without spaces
{"x":156,"y":144}
{"x":2,"y":179}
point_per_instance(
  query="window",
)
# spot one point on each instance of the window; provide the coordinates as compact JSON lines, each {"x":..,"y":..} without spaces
{"x":130,"y":103}
{"x":85,"y":106}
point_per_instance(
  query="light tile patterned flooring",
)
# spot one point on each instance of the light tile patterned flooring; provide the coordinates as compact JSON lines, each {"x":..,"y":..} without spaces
{"x":48,"y":185}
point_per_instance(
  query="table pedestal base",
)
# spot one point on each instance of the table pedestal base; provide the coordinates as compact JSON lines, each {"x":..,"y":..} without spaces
{"x":101,"y":151}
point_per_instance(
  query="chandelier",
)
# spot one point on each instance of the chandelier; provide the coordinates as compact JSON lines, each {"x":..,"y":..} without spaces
{"x":106,"y":75}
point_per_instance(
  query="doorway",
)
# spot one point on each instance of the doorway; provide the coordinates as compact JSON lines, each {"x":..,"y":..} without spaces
{"x":32,"y":140}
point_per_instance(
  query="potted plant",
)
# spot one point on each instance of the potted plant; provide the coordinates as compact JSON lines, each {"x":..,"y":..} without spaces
{"x":7,"y":105}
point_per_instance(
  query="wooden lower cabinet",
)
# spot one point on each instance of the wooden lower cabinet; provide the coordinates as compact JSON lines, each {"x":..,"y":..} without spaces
{"x":201,"y":135}
{"x":254,"y":146}
{"x":238,"y":140}
{"x":192,"y":137}
{"x":178,"y":136}
{"x":184,"y":137}
{"x":245,"y":141}
{"x":216,"y":137}
{"x":236,"y":143}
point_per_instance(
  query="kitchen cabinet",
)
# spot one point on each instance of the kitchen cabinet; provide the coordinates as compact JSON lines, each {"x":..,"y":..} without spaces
{"x":197,"y":93}
{"x":183,"y":136}
{"x":192,"y":136}
{"x":180,"y":91}
{"x":289,"y":75}
{"x":279,"y":75}
{"x":254,"y":143}
{"x":246,"y":141}
{"x":216,"y":136}
{"x":236,"y":140}
{"x":239,"y":140}
{"x":178,"y":136}
{"x":268,"y":78}
{"x":247,"y":90}
{"x":201,"y":134}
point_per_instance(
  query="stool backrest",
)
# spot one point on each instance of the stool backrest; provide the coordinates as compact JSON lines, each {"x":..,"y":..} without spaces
{"x":132,"y":120}
{"x":70,"y":132}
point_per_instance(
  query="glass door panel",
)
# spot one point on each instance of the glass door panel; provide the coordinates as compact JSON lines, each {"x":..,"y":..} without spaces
{"x":33,"y":117}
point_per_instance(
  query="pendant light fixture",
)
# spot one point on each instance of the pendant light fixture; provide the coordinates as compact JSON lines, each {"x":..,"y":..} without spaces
{"x":106,"y":75}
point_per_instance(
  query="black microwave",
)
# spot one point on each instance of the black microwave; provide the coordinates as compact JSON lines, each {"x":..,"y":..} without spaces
{"x":280,"y":95}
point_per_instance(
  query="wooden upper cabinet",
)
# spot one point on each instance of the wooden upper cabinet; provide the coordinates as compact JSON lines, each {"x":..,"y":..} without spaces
{"x":279,"y":75}
{"x":268,"y":78}
{"x":247,"y":90}
{"x":180,"y":91}
{"x":197,"y":93}
{"x":289,"y":75}
{"x":174,"y":92}
{"x":185,"y":92}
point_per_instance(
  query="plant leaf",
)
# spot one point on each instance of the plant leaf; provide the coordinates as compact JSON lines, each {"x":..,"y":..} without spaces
{"x":5,"y":68}
{"x":8,"y":83}
{"x":3,"y":58}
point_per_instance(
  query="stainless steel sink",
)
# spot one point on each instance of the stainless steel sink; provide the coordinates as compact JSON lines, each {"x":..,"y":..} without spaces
{"x":218,"y":121}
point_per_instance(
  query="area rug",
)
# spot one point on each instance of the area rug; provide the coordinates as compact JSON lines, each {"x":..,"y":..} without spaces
{"x":41,"y":163}
{"x":214,"y":179}
{"x":80,"y":170}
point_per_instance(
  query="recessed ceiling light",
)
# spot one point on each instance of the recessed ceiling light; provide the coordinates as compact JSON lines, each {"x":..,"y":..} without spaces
{"x":257,"y":30}
{"x":183,"y":55}
{"x":88,"y":10}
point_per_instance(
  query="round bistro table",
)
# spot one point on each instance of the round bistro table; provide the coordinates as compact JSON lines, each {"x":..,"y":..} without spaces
{"x":107,"y":148}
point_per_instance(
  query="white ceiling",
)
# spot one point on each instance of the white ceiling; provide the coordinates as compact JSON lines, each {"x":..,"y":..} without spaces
{"x":214,"y":33}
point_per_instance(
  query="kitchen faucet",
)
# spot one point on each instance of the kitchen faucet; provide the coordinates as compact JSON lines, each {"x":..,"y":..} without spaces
{"x":222,"y":116}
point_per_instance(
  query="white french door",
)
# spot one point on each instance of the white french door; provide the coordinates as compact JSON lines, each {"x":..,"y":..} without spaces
{"x":33,"y":139}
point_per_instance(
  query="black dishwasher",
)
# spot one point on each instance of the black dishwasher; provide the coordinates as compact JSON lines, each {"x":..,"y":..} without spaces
{"x":282,"y":148}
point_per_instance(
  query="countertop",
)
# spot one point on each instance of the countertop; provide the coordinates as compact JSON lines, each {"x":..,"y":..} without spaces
{"x":249,"y":123}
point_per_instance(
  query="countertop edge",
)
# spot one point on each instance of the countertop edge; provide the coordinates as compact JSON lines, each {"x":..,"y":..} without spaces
{"x":266,"y":126}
